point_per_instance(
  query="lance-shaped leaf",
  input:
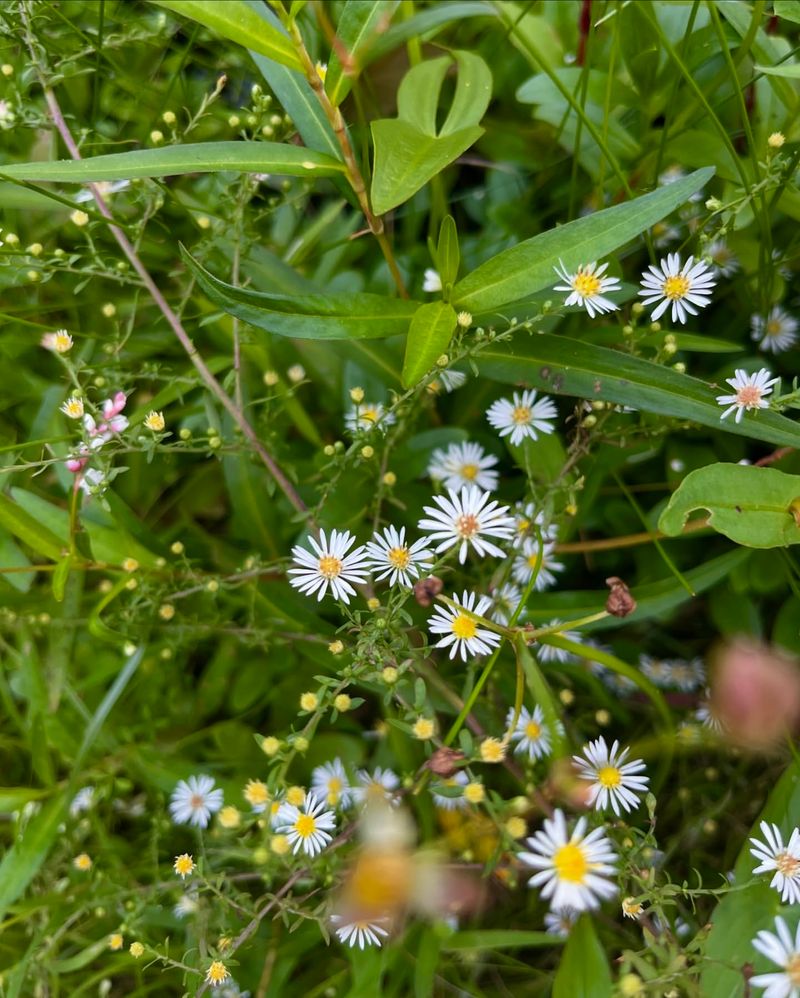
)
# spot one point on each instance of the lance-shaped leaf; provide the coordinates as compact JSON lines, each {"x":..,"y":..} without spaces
{"x":197,"y":157}
{"x":429,"y":336}
{"x":583,"y":970}
{"x":757,"y":507}
{"x":565,"y":366}
{"x":236,"y":20}
{"x":528,"y":267}
{"x":361,"y":23}
{"x":312,"y":317}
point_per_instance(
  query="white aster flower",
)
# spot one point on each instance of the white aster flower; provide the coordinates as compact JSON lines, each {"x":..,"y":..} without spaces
{"x":521,"y":416}
{"x":549,"y":653}
{"x":447,"y":381}
{"x":464,"y":464}
{"x":613,"y":781}
{"x":725,"y":261}
{"x":673,"y":173}
{"x":307,"y":827}
{"x":388,"y":555}
{"x":559,"y":923}
{"x":525,"y":565}
{"x":750,"y":392}
{"x":330,"y":565}
{"x":783,"y":859}
{"x":367,"y":416}
{"x":104,"y":187}
{"x":186,"y":905}
{"x":469,"y":518}
{"x":360,"y":932}
{"x":673,"y":673}
{"x":73,"y":407}
{"x":531,"y":734}
{"x":573,"y":869}
{"x":505,"y":601}
{"x":664,"y":234}
{"x":587,"y":287}
{"x":682,"y":287}
{"x":194,"y":800}
{"x":379,"y":785}
{"x":431,"y":281}
{"x":462,"y":634}
{"x":781,"y":949}
{"x":530,"y":523}
{"x":330,"y":783}
{"x":82,"y":801}
{"x":777,"y":332}
{"x":446,"y":802}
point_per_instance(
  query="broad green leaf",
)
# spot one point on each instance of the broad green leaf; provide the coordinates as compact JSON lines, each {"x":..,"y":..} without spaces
{"x":316,"y":317}
{"x":583,"y":970}
{"x":653,"y":600}
{"x":14,"y":798}
{"x":12,"y":557}
{"x":429,"y":335}
{"x":757,"y":507}
{"x":448,"y":255}
{"x":790,"y":71}
{"x":408,"y":149}
{"x":29,"y":530}
{"x":541,"y":693}
{"x":565,"y":366}
{"x":406,"y":159}
{"x":197,"y":157}
{"x":526,"y":268}
{"x":236,"y":20}
{"x":361,"y":22}
{"x":788,"y":9}
{"x":541,"y":89}
{"x":498,"y":939}
{"x":24,"y":859}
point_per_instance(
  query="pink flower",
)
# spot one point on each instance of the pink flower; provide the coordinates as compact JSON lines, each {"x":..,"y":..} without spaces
{"x":111,"y":424}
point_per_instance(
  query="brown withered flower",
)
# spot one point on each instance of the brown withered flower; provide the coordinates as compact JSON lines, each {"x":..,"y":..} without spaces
{"x":620,"y":603}
{"x":426,"y":590}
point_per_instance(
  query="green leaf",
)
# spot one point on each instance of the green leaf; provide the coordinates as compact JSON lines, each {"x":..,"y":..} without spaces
{"x":197,"y":157}
{"x":236,"y":20}
{"x":426,"y":23}
{"x":583,"y":970}
{"x":789,"y":10}
{"x":406,"y":159}
{"x":571,"y":367}
{"x":408,"y":150}
{"x":498,"y":939}
{"x":757,"y":507}
{"x":362,"y":21}
{"x":542,"y":694}
{"x":528,"y":267}
{"x":316,"y":317}
{"x":24,"y":859}
{"x":429,"y":336}
{"x":27,"y":528}
{"x":790,"y":70}
{"x":448,"y":255}
{"x":12,"y":557}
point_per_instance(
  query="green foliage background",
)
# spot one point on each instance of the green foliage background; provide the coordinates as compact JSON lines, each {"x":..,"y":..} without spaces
{"x":495,"y":139}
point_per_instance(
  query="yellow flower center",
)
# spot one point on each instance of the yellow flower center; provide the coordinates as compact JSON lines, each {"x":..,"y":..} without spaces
{"x":73,"y":408}
{"x":523,"y":525}
{"x":570,"y":863}
{"x":787,"y":865}
{"x":305,"y":826}
{"x":329,"y":567}
{"x":533,"y":559}
{"x":375,"y":790}
{"x":609,"y":777}
{"x":533,"y":730}
{"x":371,"y":415}
{"x":521,"y":415}
{"x":773,"y":327}
{"x":217,"y":972}
{"x":398,"y":557}
{"x":749,"y":395}
{"x":676,"y":287}
{"x":793,"y":968}
{"x":463,"y":627}
{"x":467,"y":525}
{"x":587,"y":285}
{"x":469,"y":471}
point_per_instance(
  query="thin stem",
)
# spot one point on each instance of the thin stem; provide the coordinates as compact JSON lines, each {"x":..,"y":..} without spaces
{"x":173,"y":321}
